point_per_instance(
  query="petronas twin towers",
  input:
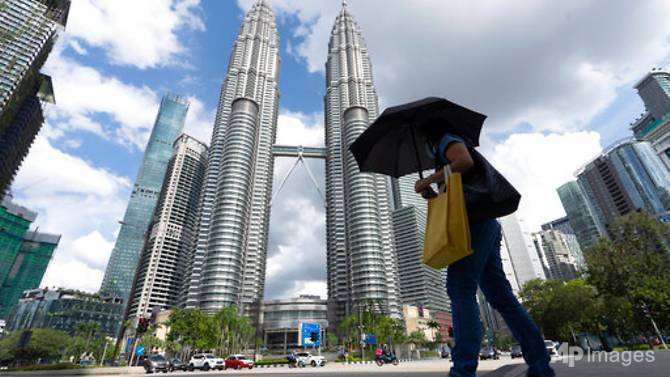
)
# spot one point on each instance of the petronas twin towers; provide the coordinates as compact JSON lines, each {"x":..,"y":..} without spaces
{"x":227,"y":266}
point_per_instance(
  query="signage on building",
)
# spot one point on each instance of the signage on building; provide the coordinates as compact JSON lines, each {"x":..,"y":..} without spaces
{"x":310,"y":335}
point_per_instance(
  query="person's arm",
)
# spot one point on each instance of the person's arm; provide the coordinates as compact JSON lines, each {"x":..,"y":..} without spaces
{"x":461,"y":162}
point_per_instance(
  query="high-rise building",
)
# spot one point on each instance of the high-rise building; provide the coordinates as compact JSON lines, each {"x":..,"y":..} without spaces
{"x":560,"y":252}
{"x":523,"y":257}
{"x":230,"y":256}
{"x":62,"y":309}
{"x":627,"y":177}
{"x":581,"y":214}
{"x":654,"y":124}
{"x":28,"y":30}
{"x":24,"y":254}
{"x":360,"y":253}
{"x":420,"y":285}
{"x":562,"y":225}
{"x":123,"y":261}
{"x":172,"y":233}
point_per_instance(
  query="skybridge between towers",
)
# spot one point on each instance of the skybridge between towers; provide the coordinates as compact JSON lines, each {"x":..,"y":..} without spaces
{"x":300,"y":153}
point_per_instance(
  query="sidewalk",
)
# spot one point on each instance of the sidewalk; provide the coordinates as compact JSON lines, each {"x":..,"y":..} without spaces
{"x":656,"y":364}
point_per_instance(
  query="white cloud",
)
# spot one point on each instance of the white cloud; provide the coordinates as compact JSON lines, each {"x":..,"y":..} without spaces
{"x":84,"y":93}
{"x":84,"y":96}
{"x":143,"y":33}
{"x":537,"y":164}
{"x":93,"y":249}
{"x":199,"y":121}
{"x":77,"y":200}
{"x":296,"y":128}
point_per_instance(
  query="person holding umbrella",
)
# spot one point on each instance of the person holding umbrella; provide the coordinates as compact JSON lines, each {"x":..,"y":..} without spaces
{"x":395,"y":144}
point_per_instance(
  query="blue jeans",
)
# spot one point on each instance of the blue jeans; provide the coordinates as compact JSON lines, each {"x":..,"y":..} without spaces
{"x":484,"y":269}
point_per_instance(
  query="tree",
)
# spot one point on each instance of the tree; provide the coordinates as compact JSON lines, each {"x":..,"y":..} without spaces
{"x":192,"y":328}
{"x":234,"y":331}
{"x":562,"y":308}
{"x":630,"y":269}
{"x":45,"y":344}
{"x":88,"y":339}
{"x":503,"y":341}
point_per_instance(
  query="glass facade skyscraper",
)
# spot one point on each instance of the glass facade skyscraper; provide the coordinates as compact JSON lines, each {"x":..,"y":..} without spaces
{"x":581,"y":214}
{"x":627,"y":177}
{"x":123,"y":261}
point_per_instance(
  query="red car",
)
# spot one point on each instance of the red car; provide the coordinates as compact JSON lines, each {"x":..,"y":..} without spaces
{"x":239,"y":362}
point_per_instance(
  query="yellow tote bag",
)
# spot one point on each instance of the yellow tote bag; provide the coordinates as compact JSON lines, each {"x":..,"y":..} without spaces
{"x":447,"y":237}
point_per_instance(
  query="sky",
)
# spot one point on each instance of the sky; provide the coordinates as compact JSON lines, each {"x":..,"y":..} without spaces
{"x":554,"y":78}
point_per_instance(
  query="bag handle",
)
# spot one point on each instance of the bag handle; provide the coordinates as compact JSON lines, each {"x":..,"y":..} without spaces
{"x":447,"y":172}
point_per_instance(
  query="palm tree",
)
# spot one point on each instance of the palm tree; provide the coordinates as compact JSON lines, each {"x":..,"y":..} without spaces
{"x":434,"y":326}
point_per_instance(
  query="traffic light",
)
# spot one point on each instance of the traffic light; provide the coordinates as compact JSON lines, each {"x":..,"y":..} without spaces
{"x":142,"y":325}
{"x":313,"y":336}
{"x":450,"y":331}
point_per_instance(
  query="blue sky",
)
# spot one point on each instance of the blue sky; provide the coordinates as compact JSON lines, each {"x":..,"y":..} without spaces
{"x":554,"y":78}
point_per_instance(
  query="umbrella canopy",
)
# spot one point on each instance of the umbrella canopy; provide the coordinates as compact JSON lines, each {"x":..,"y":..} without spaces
{"x":395,"y":143}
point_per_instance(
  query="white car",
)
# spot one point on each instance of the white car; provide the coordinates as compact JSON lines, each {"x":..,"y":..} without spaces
{"x":206,"y":361}
{"x":307,"y":358}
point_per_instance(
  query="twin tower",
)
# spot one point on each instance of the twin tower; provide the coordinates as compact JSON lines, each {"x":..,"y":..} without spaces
{"x":228,"y":265}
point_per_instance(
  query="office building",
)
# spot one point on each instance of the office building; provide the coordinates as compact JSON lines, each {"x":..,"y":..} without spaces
{"x":62,"y":309}
{"x":581,"y":214}
{"x":654,"y":124}
{"x":523,"y":257}
{"x":123,"y":261}
{"x":562,"y":225}
{"x":172,"y":233}
{"x":28,"y":31}
{"x":229,"y":259}
{"x":627,"y":177}
{"x":361,"y":257}
{"x":420,"y":285}
{"x":561,"y":256}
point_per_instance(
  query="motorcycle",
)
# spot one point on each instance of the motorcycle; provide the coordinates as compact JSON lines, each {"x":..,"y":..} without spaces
{"x":387,"y":359}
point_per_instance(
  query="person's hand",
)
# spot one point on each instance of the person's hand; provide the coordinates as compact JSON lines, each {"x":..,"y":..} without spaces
{"x":421,"y":185}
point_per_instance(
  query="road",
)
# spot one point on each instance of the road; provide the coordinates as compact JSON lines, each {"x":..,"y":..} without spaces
{"x":428,"y":368}
{"x":657,"y":364}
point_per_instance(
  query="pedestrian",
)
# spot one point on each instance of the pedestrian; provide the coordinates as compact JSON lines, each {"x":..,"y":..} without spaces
{"x":483,"y":268}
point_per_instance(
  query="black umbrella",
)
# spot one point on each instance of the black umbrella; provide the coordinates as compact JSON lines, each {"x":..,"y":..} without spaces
{"x":395,"y":143}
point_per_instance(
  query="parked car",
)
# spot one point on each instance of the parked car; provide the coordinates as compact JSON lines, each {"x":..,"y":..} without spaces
{"x":551,"y":347}
{"x":445,"y":352}
{"x":156,"y":363}
{"x":488,"y":353}
{"x":516,"y":351}
{"x":308,"y":359}
{"x":177,"y":364}
{"x":205,"y":361}
{"x":238,"y":362}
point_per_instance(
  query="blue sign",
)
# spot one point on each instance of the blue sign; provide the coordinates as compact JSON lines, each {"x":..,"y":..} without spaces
{"x":139,"y":351}
{"x":311,"y":335}
{"x":370,"y":339}
{"x":129,"y":344}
